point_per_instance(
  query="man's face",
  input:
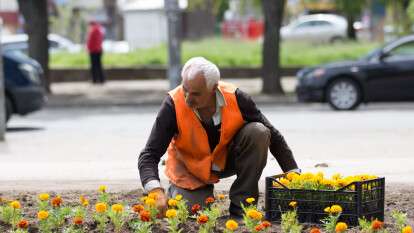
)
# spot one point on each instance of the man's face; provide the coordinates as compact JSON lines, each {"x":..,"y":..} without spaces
{"x":196,"y":93}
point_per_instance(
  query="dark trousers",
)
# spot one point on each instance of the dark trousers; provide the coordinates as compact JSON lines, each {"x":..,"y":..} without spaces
{"x":246,"y":159}
{"x":96,"y":68}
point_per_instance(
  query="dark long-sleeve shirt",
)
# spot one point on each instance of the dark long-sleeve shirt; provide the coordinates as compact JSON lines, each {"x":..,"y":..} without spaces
{"x":165,"y":127}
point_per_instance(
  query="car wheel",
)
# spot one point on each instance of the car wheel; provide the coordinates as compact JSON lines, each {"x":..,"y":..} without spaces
{"x":9,"y":108}
{"x":343,"y":94}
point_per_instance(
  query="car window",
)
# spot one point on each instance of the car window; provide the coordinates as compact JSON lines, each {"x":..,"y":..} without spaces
{"x":321,"y":23}
{"x":403,"y":51}
{"x":304,"y":25}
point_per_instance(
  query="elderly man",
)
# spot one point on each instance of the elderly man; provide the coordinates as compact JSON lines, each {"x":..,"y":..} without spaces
{"x":212,"y":130}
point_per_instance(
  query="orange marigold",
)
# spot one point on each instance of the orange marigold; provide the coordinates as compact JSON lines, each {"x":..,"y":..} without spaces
{"x":407,"y":229}
{"x":209,"y":200}
{"x":56,"y":201}
{"x":315,"y":230}
{"x":376,"y":224}
{"x":195,"y":208}
{"x":202,"y":219}
{"x":23,"y":224}
{"x":137,"y":208}
{"x":145,"y":216}
{"x":341,"y":227}
{"x":78,"y":220}
{"x":259,"y":228}
{"x":266,"y":224}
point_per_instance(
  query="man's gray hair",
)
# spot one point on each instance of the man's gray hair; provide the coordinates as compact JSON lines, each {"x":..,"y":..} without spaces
{"x":199,"y":65}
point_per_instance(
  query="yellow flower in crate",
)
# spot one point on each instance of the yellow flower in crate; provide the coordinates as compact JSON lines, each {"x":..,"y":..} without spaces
{"x":335,"y":209}
{"x":100,"y":207}
{"x":150,"y":202}
{"x":102,"y":188}
{"x":44,"y":196}
{"x":292,"y":176}
{"x":178,"y":197}
{"x":250,"y":200}
{"x":117,"y":208}
{"x":254,"y":214}
{"x":341,"y":227}
{"x":341,"y":183}
{"x":231,"y":225}
{"x":15,"y":205}
{"x":407,"y":229}
{"x":171,"y":213}
{"x":42,"y":215}
{"x":307,"y":176}
{"x":284,"y":181}
{"x":336,"y":176}
{"x":172,"y":202}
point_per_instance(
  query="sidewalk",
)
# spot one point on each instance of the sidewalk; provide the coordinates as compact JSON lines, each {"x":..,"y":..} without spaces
{"x":148,"y":92}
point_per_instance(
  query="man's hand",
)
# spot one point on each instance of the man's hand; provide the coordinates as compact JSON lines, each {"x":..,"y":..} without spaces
{"x":160,"y":201}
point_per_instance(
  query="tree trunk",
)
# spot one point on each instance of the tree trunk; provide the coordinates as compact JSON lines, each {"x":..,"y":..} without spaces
{"x":111,"y":14}
{"x":2,"y":94}
{"x":37,"y":28}
{"x":273,"y":14}
{"x":351,"y":34}
{"x":174,"y":42}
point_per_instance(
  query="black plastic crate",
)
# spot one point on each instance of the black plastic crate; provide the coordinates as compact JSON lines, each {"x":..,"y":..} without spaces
{"x":365,"y":199}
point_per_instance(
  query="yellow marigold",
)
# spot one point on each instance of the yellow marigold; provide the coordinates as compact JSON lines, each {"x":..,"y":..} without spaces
{"x":284,"y":181}
{"x":150,"y":202}
{"x":307,"y":176}
{"x":85,"y":203}
{"x":153,"y":195}
{"x":172,"y":202}
{"x":293,"y":204}
{"x":44,"y":196}
{"x":250,"y":200}
{"x":83,"y":200}
{"x":102,"y":188}
{"x":292,"y":176}
{"x":15,"y":205}
{"x":231,"y":225}
{"x":117,"y":208}
{"x":42,"y":215}
{"x":100,"y":207}
{"x":407,"y":229}
{"x":254,"y":214}
{"x":143,"y":199}
{"x":336,"y":176}
{"x":171,"y":213}
{"x":178,"y":197}
{"x":335,"y":209}
{"x":221,"y":196}
{"x":341,"y":227}
{"x":327,"y":209}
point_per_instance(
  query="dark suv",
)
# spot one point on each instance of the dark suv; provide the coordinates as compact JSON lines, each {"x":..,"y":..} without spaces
{"x":23,"y":90}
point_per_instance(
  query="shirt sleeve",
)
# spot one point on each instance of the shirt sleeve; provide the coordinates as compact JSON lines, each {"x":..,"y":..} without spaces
{"x":164,"y":128}
{"x":278,"y":146}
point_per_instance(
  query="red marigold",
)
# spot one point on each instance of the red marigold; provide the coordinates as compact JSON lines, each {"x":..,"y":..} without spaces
{"x":209,"y":200}
{"x":259,"y":227}
{"x":145,"y":216}
{"x":202,"y":219}
{"x":78,"y":220}
{"x":315,"y":230}
{"x":376,"y":224}
{"x":56,"y":201}
{"x":195,"y":208}
{"x":266,"y":224}
{"x":137,"y":208}
{"x":23,"y":224}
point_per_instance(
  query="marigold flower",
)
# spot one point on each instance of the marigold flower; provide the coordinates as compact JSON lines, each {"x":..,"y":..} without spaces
{"x":137,"y":208}
{"x":376,"y":224}
{"x":172,"y":202}
{"x":209,"y":200}
{"x":195,"y":208}
{"x":56,"y":201}
{"x":77,"y":220}
{"x":266,"y":224}
{"x":150,"y":202}
{"x":102,"y":189}
{"x":254,"y":214}
{"x":83,"y":201}
{"x":292,"y":176}
{"x":171,"y":213}
{"x":341,"y":227}
{"x":145,"y":216}
{"x":42,"y":215}
{"x":336,"y":176}
{"x":259,"y":227}
{"x":315,"y":230}
{"x":153,"y":195}
{"x":221,"y":196}
{"x":178,"y":197}
{"x":284,"y":181}
{"x":117,"y":208}
{"x":250,"y":200}
{"x":327,"y":209}
{"x":44,"y":196}
{"x":202,"y":219}
{"x":15,"y":205}
{"x":335,"y":209}
{"x":407,"y":229}
{"x":231,"y":225}
{"x":293,"y":204}
{"x":23,"y":224}
{"x":100,"y":207}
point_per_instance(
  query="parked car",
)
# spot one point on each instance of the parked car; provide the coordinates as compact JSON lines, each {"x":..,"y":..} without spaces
{"x":316,"y":28}
{"x":385,"y":74}
{"x":22,"y":79}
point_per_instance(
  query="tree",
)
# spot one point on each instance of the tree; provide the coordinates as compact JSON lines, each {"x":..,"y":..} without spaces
{"x":174,"y":42}
{"x":2,"y":99}
{"x":273,"y":14}
{"x":351,"y":10}
{"x":36,"y":26}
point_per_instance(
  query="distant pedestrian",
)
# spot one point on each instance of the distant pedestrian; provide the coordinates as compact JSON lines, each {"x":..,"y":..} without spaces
{"x":94,"y":46}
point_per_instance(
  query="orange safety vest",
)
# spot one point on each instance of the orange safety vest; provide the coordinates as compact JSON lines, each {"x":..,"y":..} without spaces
{"x":190,"y":159}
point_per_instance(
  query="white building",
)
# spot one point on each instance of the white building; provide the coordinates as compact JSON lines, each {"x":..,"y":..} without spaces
{"x":145,"y":22}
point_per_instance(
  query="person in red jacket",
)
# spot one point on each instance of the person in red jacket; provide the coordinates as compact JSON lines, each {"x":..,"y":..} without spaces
{"x":94,"y":46}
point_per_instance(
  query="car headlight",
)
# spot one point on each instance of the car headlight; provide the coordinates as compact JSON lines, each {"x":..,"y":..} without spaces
{"x":317,"y":73}
{"x":30,"y":72}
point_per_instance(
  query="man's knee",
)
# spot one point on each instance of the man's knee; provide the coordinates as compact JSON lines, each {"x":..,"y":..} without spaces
{"x":256,"y":131}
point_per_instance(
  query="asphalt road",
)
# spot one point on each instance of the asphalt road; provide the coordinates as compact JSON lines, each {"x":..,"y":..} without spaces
{"x":81,"y":148}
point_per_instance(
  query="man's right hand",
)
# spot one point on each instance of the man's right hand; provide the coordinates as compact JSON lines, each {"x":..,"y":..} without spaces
{"x":161,"y":201}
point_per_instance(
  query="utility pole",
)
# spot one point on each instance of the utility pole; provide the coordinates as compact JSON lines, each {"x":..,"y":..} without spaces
{"x":174,"y":42}
{"x":2,"y":99}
